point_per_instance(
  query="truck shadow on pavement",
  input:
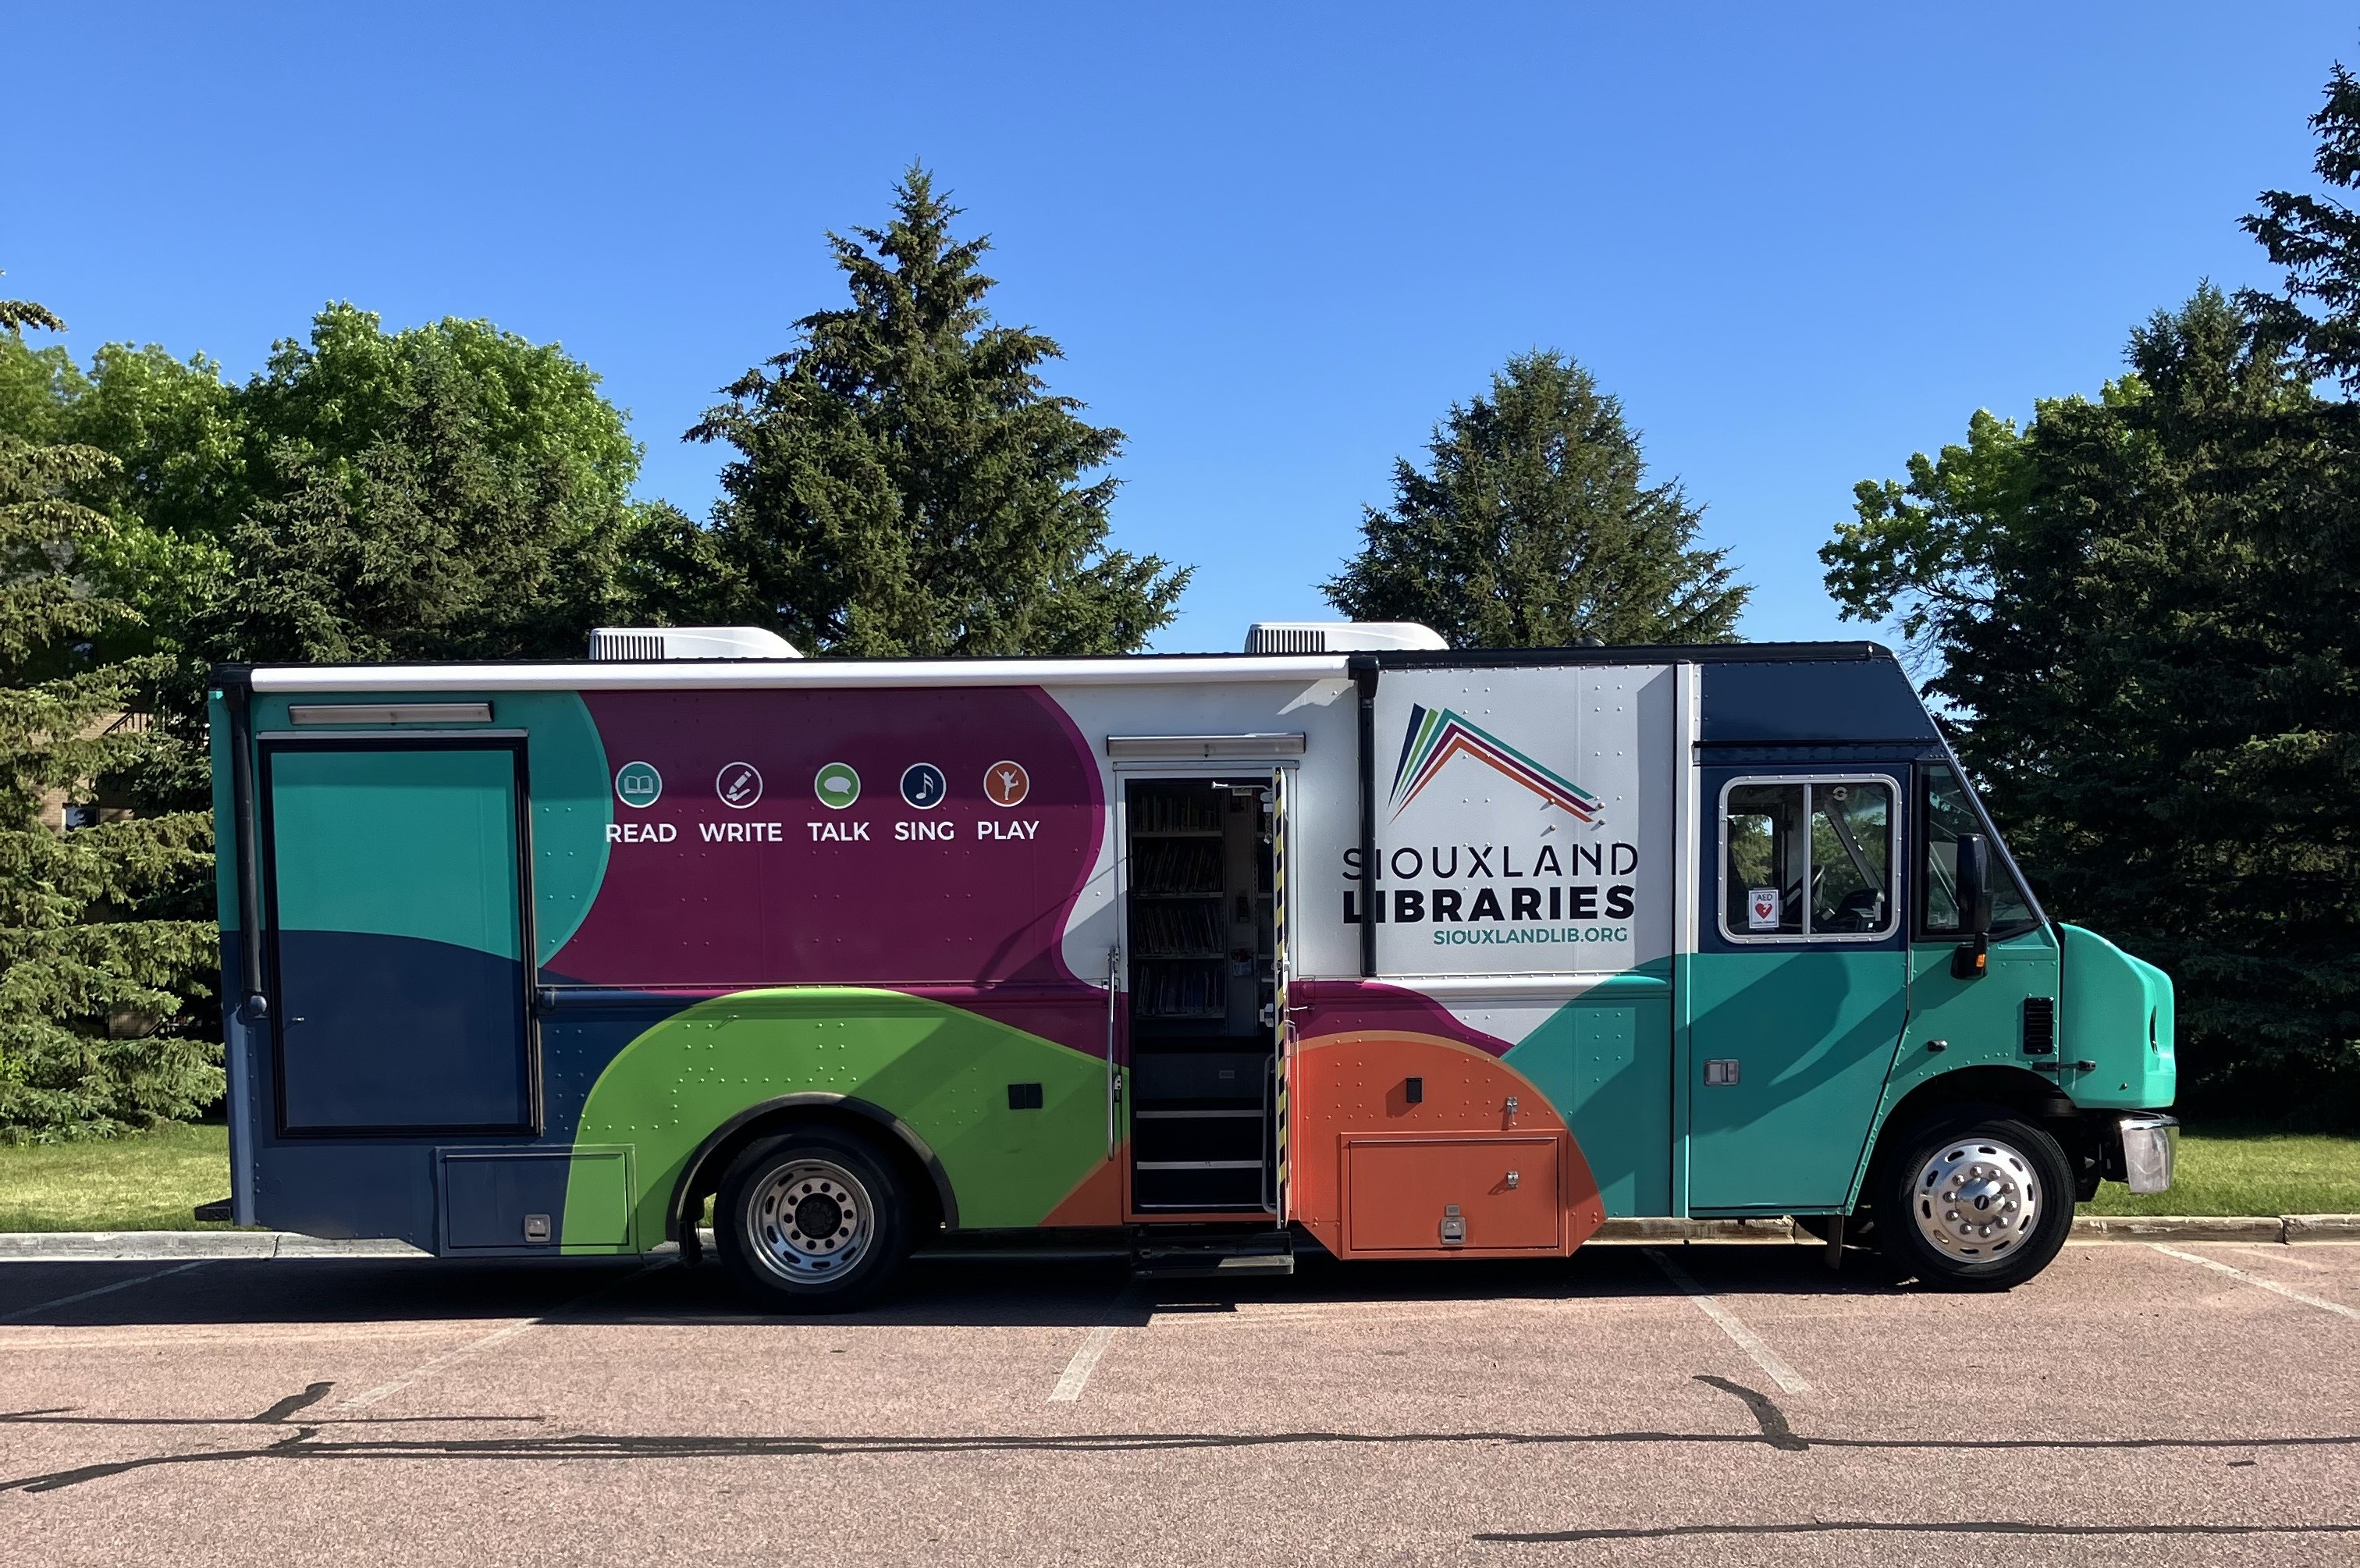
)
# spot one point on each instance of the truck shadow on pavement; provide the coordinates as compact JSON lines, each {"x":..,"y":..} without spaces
{"x":931,"y":1292}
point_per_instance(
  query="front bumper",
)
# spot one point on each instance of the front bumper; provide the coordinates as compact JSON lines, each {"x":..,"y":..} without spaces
{"x":2140,"y":1148}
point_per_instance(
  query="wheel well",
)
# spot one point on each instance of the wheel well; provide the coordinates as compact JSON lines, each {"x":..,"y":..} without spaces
{"x":2032,"y":1096}
{"x":920,"y":1172}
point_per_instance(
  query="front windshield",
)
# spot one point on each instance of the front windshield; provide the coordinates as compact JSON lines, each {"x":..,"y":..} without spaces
{"x":1949,"y":816}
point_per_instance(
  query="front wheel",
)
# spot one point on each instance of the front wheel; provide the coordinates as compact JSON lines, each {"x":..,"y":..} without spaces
{"x":1974,"y":1198}
{"x":811,"y":1221}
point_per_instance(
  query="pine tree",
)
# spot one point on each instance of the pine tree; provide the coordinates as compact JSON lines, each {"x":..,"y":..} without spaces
{"x":101,"y":988}
{"x":2316,"y":237}
{"x":1534,"y":526}
{"x":904,"y":483}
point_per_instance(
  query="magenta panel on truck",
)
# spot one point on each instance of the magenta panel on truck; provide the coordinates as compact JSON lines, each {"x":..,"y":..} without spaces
{"x":1371,"y":946}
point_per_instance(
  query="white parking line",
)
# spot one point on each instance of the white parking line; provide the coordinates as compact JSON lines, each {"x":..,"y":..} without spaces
{"x":2278,"y":1252}
{"x":1786,"y":1377}
{"x":1077,"y":1371}
{"x":101,"y":1290}
{"x":387,"y":1390}
{"x":362,"y":1400}
{"x":2258,"y":1282}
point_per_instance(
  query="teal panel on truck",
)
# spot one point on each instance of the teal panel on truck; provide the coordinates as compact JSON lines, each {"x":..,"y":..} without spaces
{"x":1604,"y":1062}
{"x":399,"y":843}
{"x":1978,"y":1021}
{"x":1813,"y":1035}
{"x":572,"y":798}
{"x":2117,"y":1015}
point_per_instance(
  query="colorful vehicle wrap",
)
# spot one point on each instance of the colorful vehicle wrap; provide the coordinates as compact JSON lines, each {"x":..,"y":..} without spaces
{"x":520,"y":952}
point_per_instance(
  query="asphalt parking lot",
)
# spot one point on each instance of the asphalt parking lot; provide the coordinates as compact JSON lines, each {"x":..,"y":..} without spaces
{"x":1742,"y":1404}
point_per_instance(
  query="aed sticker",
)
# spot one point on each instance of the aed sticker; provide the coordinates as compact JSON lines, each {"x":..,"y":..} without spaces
{"x":1761,"y":909}
{"x":738,"y":785}
{"x":1007,"y":783}
{"x":923,"y":786}
{"x":836,"y":785}
{"x":638,"y":785}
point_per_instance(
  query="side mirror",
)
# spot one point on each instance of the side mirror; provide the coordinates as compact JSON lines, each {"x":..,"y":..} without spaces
{"x":1974,"y":885}
{"x":1974,"y":907}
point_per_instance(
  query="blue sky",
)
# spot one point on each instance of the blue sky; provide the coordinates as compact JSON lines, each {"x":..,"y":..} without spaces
{"x":1277,"y":242}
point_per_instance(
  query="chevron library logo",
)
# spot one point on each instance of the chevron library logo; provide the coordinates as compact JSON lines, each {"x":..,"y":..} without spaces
{"x":1436,"y":735}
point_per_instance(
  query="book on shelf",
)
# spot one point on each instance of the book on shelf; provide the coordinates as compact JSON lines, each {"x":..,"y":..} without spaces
{"x":1191,"y":990}
{"x":1188,"y":866}
{"x":1193,"y":811}
{"x":1177,"y":927}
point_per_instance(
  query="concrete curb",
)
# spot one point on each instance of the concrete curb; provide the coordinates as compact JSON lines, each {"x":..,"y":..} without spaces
{"x":171,"y":1246}
{"x":1670,"y":1230}
{"x":2086,"y":1228}
{"x":2188,"y":1228}
{"x":2322,"y":1227}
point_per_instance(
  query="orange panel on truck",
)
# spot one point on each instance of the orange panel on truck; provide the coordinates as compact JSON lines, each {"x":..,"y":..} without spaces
{"x":1452,"y":1194}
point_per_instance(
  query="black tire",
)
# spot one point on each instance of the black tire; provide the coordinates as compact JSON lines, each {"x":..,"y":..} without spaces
{"x":2012,"y":1199}
{"x":811,"y":1221}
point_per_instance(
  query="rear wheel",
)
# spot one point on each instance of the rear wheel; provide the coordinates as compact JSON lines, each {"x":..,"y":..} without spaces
{"x":1974,"y":1198}
{"x":811,"y":1221}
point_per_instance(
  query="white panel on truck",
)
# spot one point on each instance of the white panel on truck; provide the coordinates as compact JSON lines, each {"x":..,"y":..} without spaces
{"x":1524,"y":823}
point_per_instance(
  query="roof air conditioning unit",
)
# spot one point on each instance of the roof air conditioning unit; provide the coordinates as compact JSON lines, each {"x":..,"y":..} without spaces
{"x":1340,"y":636}
{"x":620,"y":644}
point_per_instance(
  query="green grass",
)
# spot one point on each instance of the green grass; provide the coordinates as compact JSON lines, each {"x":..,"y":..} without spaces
{"x":147,"y":1182}
{"x":2250,"y":1173}
{"x":151,"y":1182}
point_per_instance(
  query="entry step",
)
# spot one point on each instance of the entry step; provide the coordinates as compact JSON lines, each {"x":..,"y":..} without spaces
{"x":1230,"y":1257}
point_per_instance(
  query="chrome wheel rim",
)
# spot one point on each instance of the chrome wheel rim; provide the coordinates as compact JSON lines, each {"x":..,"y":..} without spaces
{"x":1976,"y":1200}
{"x":811,"y":1222}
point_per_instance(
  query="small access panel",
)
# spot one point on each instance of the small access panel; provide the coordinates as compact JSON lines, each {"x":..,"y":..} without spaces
{"x":524,"y":1200}
{"x":396,"y":893}
{"x":1204,"y":957}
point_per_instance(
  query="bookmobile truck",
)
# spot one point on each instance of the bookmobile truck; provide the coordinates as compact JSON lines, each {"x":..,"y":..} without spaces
{"x":1352,"y":939}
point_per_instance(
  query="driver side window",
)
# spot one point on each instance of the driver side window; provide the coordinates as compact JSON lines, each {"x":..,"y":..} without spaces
{"x":1949,"y":817}
{"x":1810,"y":859}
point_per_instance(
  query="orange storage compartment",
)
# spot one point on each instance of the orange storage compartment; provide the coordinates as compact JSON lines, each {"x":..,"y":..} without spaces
{"x":1480,"y":1193}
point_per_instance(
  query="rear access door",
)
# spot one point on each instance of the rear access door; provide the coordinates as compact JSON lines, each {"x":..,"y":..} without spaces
{"x":396,"y":883}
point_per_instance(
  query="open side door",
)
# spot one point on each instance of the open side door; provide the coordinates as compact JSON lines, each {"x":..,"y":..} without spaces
{"x":1282,"y":1058}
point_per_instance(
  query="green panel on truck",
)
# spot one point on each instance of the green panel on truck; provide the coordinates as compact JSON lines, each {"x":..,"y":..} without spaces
{"x":944,"y":1071}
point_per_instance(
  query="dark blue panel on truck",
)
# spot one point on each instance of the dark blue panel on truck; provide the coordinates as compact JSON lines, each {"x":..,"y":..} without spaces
{"x":395,"y":1032}
{"x":1790,"y":702}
